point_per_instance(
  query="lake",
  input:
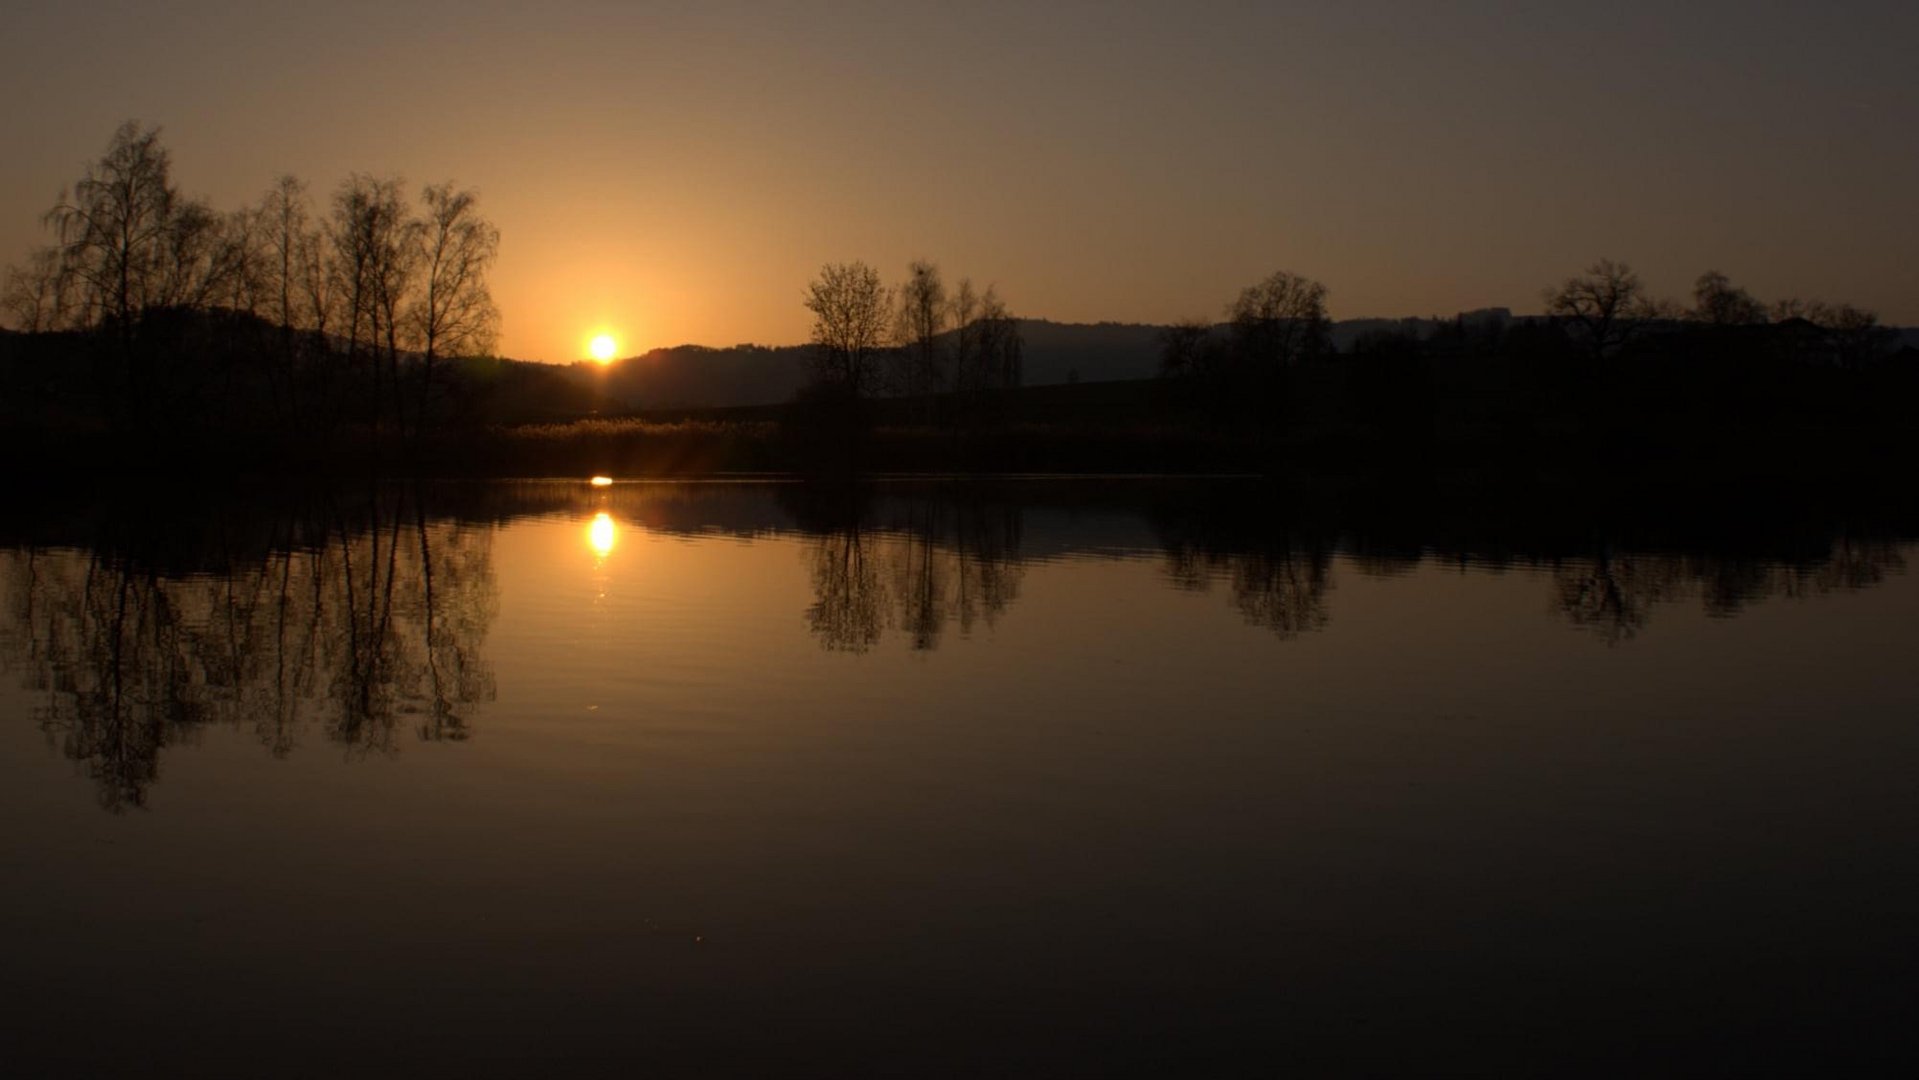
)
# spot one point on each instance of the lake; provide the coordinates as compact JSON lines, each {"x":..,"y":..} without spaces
{"x":1036,"y":777}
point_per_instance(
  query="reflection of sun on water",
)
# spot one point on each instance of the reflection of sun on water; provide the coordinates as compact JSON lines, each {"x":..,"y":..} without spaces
{"x":602,"y":481}
{"x":601,"y":535}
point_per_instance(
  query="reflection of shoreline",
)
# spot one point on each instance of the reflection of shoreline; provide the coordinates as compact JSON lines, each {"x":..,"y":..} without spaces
{"x":360,"y":619}
{"x":1614,"y":594}
{"x":912,"y":559}
{"x":358,"y":630}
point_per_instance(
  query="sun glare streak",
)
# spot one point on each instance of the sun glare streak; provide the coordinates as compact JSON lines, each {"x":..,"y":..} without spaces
{"x":602,"y":481}
{"x":601,"y":535}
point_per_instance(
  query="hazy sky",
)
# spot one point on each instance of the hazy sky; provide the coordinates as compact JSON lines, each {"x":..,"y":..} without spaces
{"x":678,"y":172}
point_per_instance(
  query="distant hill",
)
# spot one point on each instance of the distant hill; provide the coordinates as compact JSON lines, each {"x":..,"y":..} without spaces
{"x":696,"y":376}
{"x":1088,"y":352}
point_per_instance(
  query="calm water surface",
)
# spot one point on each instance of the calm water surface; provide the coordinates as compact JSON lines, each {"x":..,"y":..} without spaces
{"x":1049,"y":779}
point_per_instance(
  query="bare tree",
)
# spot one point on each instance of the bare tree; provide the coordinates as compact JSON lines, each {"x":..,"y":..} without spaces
{"x":282,"y":238}
{"x":1717,"y":302}
{"x":112,"y":227}
{"x":920,"y":320}
{"x":198,"y":259}
{"x":129,"y":242}
{"x":372,"y":262}
{"x":249,"y":278}
{"x":1792,"y":307}
{"x":1852,"y":336}
{"x":284,"y":225}
{"x":38,"y":296}
{"x":317,"y":286}
{"x":997,"y":350}
{"x":1855,"y":335}
{"x":851,"y":312}
{"x":454,"y":314}
{"x":1185,"y":349}
{"x":1280,"y":321}
{"x":1607,"y":305}
{"x":963,"y":316}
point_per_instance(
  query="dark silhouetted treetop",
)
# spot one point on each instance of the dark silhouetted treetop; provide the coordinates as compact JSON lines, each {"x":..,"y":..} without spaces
{"x":1717,"y":302}
{"x":851,"y":321}
{"x":1606,"y":306}
{"x":1280,"y":321}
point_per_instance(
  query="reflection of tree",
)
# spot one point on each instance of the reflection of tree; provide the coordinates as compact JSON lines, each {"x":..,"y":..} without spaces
{"x":1857,"y":564}
{"x":1283,"y":591}
{"x":1614,"y":594}
{"x":357,"y":627}
{"x":1279,"y":585}
{"x":918,"y":564}
{"x":849,"y":611}
{"x":1278,"y":575}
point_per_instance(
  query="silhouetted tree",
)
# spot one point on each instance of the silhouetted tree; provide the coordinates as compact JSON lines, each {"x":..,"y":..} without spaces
{"x":373,"y":257}
{"x":1717,"y":302}
{"x":1279,"y":321}
{"x":851,"y":316}
{"x":996,"y":350}
{"x":285,"y":226}
{"x":963,"y":315}
{"x":282,"y":224}
{"x":1850,"y":336}
{"x":454,"y":314}
{"x":1186,"y":349}
{"x":130,"y":249}
{"x":317,"y":287}
{"x":114,"y":227}
{"x":1855,"y":333}
{"x":38,"y":296}
{"x":1273,"y":325}
{"x":920,"y":320}
{"x":1607,"y":305}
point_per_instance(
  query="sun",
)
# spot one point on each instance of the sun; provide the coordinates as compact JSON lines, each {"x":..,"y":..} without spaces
{"x":602,"y":348}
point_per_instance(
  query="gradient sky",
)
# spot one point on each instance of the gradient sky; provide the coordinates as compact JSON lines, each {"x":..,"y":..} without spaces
{"x":678,"y":172}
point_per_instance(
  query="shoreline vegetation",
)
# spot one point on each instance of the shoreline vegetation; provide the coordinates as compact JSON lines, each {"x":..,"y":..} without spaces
{"x":156,"y":335}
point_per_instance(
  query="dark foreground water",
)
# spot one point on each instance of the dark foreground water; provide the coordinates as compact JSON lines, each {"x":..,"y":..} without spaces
{"x":1043,"y":779}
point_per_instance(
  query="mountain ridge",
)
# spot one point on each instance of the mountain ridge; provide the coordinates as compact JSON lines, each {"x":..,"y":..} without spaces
{"x":706,"y":376}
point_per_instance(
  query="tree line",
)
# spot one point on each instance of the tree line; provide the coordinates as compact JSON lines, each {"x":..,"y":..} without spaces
{"x":280,"y":311}
{"x":917,"y":340}
{"x":1261,"y":368}
{"x":1608,"y":308}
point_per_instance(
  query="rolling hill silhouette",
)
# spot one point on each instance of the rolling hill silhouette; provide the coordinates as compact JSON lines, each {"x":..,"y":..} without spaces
{"x":698,"y":376}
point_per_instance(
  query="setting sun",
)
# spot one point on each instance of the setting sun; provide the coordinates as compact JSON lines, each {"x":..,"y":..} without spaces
{"x":603,"y":347}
